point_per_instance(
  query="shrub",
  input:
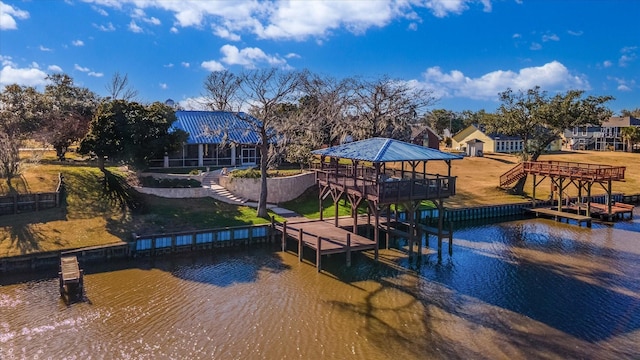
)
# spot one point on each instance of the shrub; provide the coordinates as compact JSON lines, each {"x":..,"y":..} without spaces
{"x":150,"y":181}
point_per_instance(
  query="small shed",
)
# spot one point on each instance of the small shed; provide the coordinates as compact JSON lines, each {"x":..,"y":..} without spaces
{"x":475,"y":148}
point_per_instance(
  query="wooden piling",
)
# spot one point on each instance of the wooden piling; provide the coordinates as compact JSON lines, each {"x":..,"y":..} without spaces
{"x":319,"y":253}
{"x":348,"y":249}
{"x":300,"y":244}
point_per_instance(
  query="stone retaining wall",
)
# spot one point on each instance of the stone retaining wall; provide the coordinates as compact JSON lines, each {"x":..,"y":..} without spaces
{"x":281,"y":189}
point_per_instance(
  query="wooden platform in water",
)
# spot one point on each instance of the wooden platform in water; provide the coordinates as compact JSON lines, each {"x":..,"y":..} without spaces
{"x":559,"y":215}
{"x":325,"y":238}
{"x":69,"y":269}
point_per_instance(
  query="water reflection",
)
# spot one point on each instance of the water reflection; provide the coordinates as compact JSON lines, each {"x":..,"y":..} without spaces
{"x":520,"y":289}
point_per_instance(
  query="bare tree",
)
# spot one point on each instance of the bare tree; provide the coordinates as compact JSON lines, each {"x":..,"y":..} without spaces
{"x":20,"y":112}
{"x":222,"y":90}
{"x":385,"y":107}
{"x":119,"y":88}
{"x":267,"y":94}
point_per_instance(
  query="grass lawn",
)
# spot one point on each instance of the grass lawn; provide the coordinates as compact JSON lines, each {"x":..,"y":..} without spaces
{"x":88,"y":218}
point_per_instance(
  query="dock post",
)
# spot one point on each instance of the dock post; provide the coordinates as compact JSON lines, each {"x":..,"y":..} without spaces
{"x":284,"y":236}
{"x":319,"y":253}
{"x":450,"y":238}
{"x":300,"y":233}
{"x":419,"y":230}
{"x":348,"y":249}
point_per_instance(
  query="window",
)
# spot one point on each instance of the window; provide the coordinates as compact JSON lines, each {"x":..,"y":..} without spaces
{"x":584,"y":131}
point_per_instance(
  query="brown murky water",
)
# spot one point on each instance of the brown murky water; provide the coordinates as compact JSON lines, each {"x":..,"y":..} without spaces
{"x":530,"y":289}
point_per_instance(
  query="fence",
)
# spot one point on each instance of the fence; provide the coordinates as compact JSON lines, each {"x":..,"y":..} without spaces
{"x":18,"y":203}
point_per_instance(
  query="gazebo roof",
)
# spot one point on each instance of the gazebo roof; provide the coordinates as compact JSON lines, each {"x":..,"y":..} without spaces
{"x":384,"y":150}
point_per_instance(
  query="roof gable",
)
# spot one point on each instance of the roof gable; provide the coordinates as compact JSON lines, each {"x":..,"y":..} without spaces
{"x":216,"y":127}
{"x":384,"y":150}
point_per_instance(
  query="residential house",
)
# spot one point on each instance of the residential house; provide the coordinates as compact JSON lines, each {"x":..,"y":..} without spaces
{"x":493,"y":143}
{"x":216,"y":139}
{"x":425,"y":136}
{"x":604,"y":137}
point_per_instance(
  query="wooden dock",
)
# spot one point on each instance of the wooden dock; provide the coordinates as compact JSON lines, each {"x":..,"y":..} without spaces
{"x":71,"y":278}
{"x":325,"y":238}
{"x":559,"y":215}
{"x":618,"y":210}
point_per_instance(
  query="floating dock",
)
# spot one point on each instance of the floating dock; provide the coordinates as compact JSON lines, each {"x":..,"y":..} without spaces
{"x":71,"y":278}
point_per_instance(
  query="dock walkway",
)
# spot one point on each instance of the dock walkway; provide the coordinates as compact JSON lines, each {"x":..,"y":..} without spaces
{"x":559,"y":215}
{"x":324,"y":238}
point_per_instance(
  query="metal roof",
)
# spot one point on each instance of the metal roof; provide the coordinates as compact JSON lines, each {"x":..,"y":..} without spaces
{"x":216,"y":127}
{"x":385,"y":150}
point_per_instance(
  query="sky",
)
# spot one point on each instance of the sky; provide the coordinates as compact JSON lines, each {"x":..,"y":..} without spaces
{"x":464,"y":51}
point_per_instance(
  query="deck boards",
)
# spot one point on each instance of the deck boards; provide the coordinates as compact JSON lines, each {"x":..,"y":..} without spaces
{"x":333,"y":239}
{"x":562,"y":215}
{"x":69,"y":268}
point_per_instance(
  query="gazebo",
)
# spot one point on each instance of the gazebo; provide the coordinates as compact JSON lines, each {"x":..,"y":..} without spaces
{"x":384,"y":172}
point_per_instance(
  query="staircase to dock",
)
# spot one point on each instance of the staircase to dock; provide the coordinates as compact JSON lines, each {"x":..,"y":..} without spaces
{"x":211,"y":181}
{"x":512,"y":175}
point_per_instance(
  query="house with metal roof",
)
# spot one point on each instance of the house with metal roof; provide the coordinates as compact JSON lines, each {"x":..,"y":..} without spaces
{"x":216,"y":139}
{"x":493,"y":142}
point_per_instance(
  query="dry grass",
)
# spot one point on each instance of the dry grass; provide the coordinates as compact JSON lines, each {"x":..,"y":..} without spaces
{"x":478,"y":178}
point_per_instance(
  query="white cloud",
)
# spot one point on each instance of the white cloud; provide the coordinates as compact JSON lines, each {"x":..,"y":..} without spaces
{"x":133,"y":27}
{"x":106,"y":28}
{"x":7,"y":60}
{"x":100,"y":11}
{"x":550,"y":37}
{"x":212,"y":65}
{"x":95,"y":74}
{"x":80,"y":68}
{"x":185,"y":64}
{"x":197,"y":103}
{"x":164,"y":86}
{"x":8,"y":16}
{"x":22,"y":76}
{"x":225,"y":34}
{"x":535,"y":46}
{"x":77,"y":43}
{"x":248,"y":57}
{"x":628,"y":55}
{"x":623,"y":84}
{"x":42,"y":48}
{"x":516,"y":36}
{"x":299,"y":20}
{"x":575,"y":33}
{"x":169,"y":65}
{"x":174,"y":30}
{"x":152,"y":20}
{"x":552,"y":76}
{"x":55,"y":68}
{"x":292,"y":56}
{"x":607,"y":63}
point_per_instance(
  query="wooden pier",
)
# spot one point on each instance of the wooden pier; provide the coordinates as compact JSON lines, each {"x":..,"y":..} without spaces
{"x":559,"y":215}
{"x":324,"y":238}
{"x":71,"y":278}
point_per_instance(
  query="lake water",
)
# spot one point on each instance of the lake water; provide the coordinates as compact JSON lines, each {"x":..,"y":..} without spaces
{"x":524,"y":289}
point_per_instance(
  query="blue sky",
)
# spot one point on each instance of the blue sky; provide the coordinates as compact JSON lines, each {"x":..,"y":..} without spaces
{"x":465,"y":51}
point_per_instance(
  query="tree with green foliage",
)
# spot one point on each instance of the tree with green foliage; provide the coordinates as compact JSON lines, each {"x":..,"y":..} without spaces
{"x":540,"y":119}
{"x":631,"y":136}
{"x":633,"y":113}
{"x":20,"y":112}
{"x":69,"y":110}
{"x":131,"y":133}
